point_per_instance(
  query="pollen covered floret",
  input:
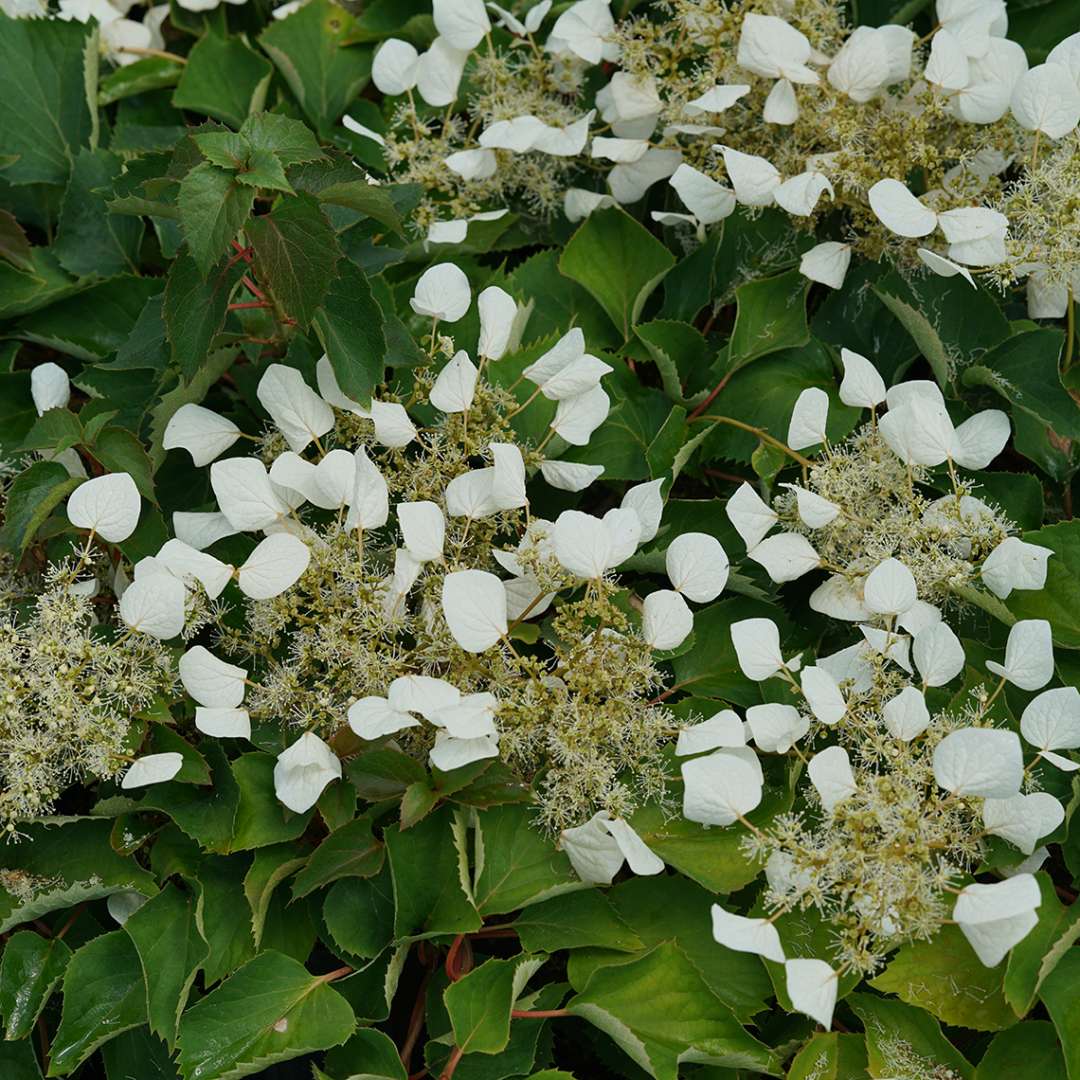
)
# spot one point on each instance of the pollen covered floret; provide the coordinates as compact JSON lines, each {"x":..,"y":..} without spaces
{"x":403,"y":594}
{"x":756,"y":105}
{"x":899,"y":796}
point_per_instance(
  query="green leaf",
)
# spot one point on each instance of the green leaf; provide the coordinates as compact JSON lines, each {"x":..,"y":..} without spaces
{"x":1059,"y":599}
{"x":226,"y":149}
{"x":90,"y":240}
{"x":271,"y":1010}
{"x":31,"y":968}
{"x":48,"y":92}
{"x":13,"y":243}
{"x":323,"y":73}
{"x":137,"y":1054}
{"x":770,"y":316}
{"x":17,"y":1061}
{"x":359,"y":914}
{"x":351,"y":851}
{"x":428,"y":894}
{"x":902,"y":1039}
{"x":260,"y":819}
{"x":479,"y":1005}
{"x":681,"y":356}
{"x":263,"y":170}
{"x":1035,"y":957}
{"x":1026,"y":1052}
{"x":33,"y":496}
{"x":56,"y":430}
{"x":520,"y":864}
{"x":171,"y":950}
{"x":221,"y":884}
{"x":1058,"y":994}
{"x":369,"y":199}
{"x":351,"y":327}
{"x":121,"y":451}
{"x":223,"y":78}
{"x":575,"y":921}
{"x":103,"y":996}
{"x":213,"y":209}
{"x":944,"y":977}
{"x":194,"y":311}
{"x":145,"y":75}
{"x":296,"y":253}
{"x":290,"y":141}
{"x":660,"y":1012}
{"x":619,"y":262}
{"x":1024,"y":371}
{"x":368,"y":1054}
{"x":270,"y":867}
{"x":830,"y":1056}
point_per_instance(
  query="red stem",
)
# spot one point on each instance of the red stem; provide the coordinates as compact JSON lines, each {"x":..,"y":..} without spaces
{"x":252,"y":287}
{"x":452,"y":1064}
{"x":538,"y":1014}
{"x":249,"y":304}
{"x":244,"y":253}
{"x":337,"y":973}
{"x":710,"y":399}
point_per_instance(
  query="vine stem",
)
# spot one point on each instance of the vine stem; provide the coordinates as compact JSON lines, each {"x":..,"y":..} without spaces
{"x":763,"y":435}
{"x":538,"y":1014}
{"x":452,"y":1063}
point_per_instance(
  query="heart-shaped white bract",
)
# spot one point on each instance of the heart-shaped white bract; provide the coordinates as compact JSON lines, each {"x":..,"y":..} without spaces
{"x":50,"y":387}
{"x":785,"y":556}
{"x":1047,"y":99}
{"x":393,"y":70}
{"x":370,"y":505}
{"x":210,"y":681}
{"x":706,"y":199}
{"x":1051,"y":721}
{"x":647,"y":502}
{"x":984,"y":762}
{"x":938,"y":654}
{"x":751,"y":515}
{"x":373,"y":717}
{"x":1015,"y":564}
{"x":757,"y":936}
{"x":996,"y":917}
{"x":299,"y":413}
{"x":201,"y":530}
{"x":723,"y":729}
{"x":275,"y":565}
{"x":108,"y":505}
{"x":498,"y":316}
{"x":721,"y":787}
{"x":302,"y":772}
{"x":773,"y":48}
{"x":830,"y":773}
{"x":1023,"y":819}
{"x":152,"y":769}
{"x":569,"y":475}
{"x":598,"y":849}
{"x":812,"y":986}
{"x":697,"y":566}
{"x":776,"y":728}
{"x":889,"y":589}
{"x":423,"y":528}
{"x":826,"y":263}
{"x":1029,"y":655}
{"x":757,"y":646}
{"x":223,"y":723}
{"x":823,"y":695}
{"x":462,"y":23}
{"x":899,"y":211}
{"x":455,"y":385}
{"x":474,"y":605}
{"x":438,"y":75}
{"x":442,"y":292}
{"x":666,"y":621}
{"x":245,"y":495}
{"x":808,"y":418}
{"x":190,"y":565}
{"x":201,"y":432}
{"x":154,"y":605}
{"x":905,"y":714}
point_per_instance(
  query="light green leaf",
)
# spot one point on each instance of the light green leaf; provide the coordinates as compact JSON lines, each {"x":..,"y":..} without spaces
{"x":145,"y":75}
{"x":171,"y":951}
{"x":619,"y":262}
{"x":575,"y":921}
{"x":1026,"y":1052}
{"x":270,"y":867}
{"x":661,"y":1013}
{"x":369,"y":199}
{"x":223,"y":78}
{"x":271,"y":1010}
{"x":351,"y":851}
{"x":103,"y":996}
{"x":213,"y":209}
{"x":770,"y":316}
{"x":1058,"y":994}
{"x":479,"y":1005}
{"x":31,"y":968}
{"x":830,"y":1055}
{"x":289,"y":140}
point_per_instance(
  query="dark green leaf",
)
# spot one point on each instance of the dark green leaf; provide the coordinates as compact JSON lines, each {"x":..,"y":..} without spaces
{"x":359,"y":914}
{"x":145,"y":75}
{"x":33,"y":496}
{"x":1026,"y":1052}
{"x":479,"y":1005}
{"x":351,"y":851}
{"x":573,"y":921}
{"x":290,"y":141}
{"x":368,"y":199}
{"x":770,"y":316}
{"x":260,"y":819}
{"x":213,"y":209}
{"x":121,"y":451}
{"x":194,"y":311}
{"x":223,"y":78}
{"x":13,"y":243}
{"x":31,"y":968}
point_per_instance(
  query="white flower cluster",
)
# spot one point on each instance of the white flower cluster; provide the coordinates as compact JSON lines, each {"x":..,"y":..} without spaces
{"x":477,"y":607}
{"x":644,"y":128}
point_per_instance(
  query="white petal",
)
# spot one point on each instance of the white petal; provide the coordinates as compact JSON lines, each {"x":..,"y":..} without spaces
{"x":1051,"y":721}
{"x":474,"y":604}
{"x":373,"y":717}
{"x":980,"y":438}
{"x":593,"y":851}
{"x":906,"y":715}
{"x":438,"y":73}
{"x":697,"y":566}
{"x":201,"y":530}
{"x":569,"y":475}
{"x":724,"y":729}
{"x":201,"y":432}
{"x":243,"y":492}
{"x":451,"y":753}
{"x":943,"y":267}
{"x":771,"y":47}
{"x":948,"y":63}
{"x":815,"y":512}
{"x":899,"y":211}
{"x":299,"y":413}
{"x":861,"y":386}
{"x":800,"y":194}
{"x":811,"y":985}
{"x":223,"y":723}
{"x":647,"y":502}
{"x":578,"y":417}
{"x":1029,"y":655}
{"x":823,"y":695}
{"x":498,"y":314}
{"x":938,"y":654}
{"x":781,"y":106}
{"x":1047,"y":99}
{"x":756,"y":936}
{"x":721,"y":787}
{"x":1023,"y":819}
{"x":750,"y":514}
{"x":393,"y":71}
{"x":471,"y":494}
{"x":508,"y":477}
{"x":918,"y":432}
{"x":582,"y":545}
{"x":830,"y":773}
{"x":776,"y":728}
{"x":637,"y":854}
{"x":889,"y":588}
{"x":442,"y":292}
{"x":717,"y":99}
{"x":666,"y":621}
{"x":986,"y":762}
{"x":754,"y":179}
{"x":152,"y":769}
{"x":826,"y":263}
{"x":455,"y":385}
{"x":707,"y":200}
{"x":50,"y":388}
{"x":423,"y":528}
{"x":808,"y":417}
{"x":422,"y":694}
{"x":275,"y":565}
{"x":109,"y":505}
{"x":1015,"y":564}
{"x":476,"y":164}
{"x":303,"y":771}
{"x":393,"y":427}
{"x":210,"y":681}
{"x":330,"y":389}
{"x":154,"y":605}
{"x":624,"y":531}
{"x":785,"y":556}
{"x":757,"y":646}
